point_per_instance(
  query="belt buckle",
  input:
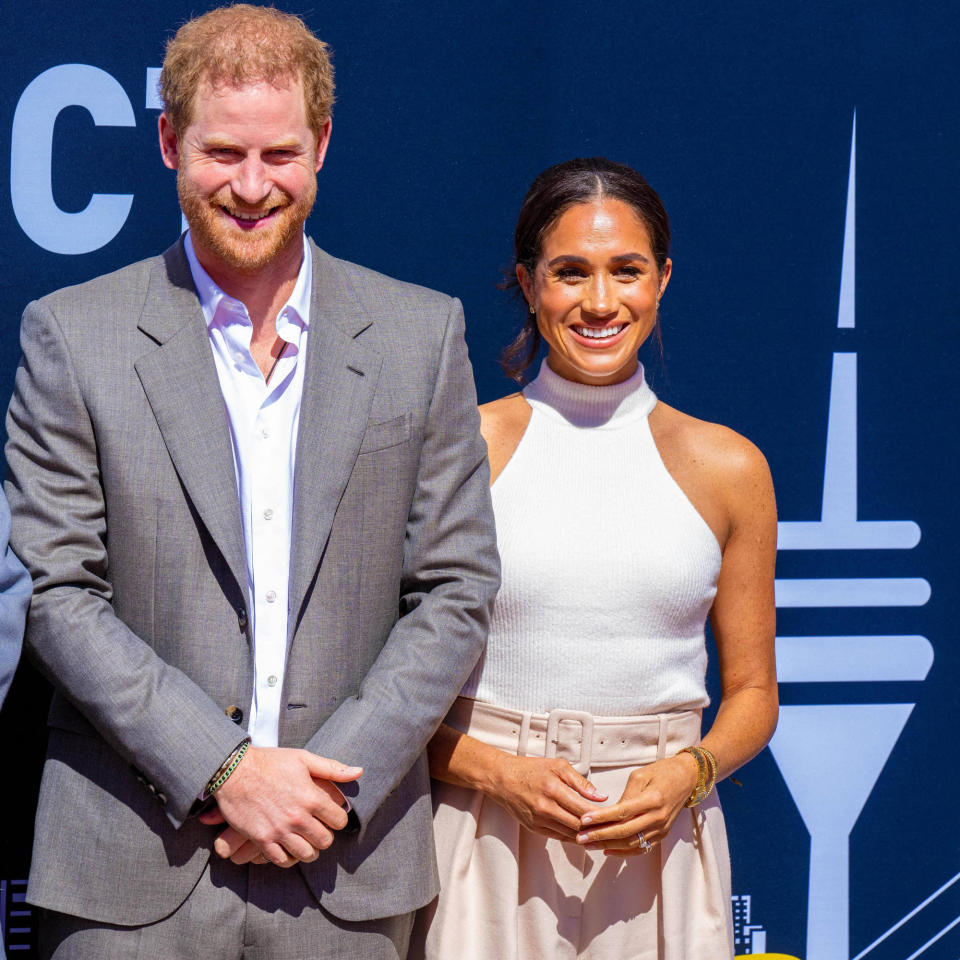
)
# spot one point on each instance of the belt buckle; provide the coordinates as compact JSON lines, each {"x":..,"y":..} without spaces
{"x":554,"y":719}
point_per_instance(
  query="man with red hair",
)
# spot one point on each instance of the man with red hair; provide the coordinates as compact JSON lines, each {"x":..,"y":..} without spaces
{"x":248,"y":482}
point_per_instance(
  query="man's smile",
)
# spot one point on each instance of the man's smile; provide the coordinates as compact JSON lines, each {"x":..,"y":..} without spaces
{"x":247,"y":220}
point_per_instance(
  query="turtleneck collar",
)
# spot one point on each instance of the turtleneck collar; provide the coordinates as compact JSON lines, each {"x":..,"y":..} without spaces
{"x":582,"y":405}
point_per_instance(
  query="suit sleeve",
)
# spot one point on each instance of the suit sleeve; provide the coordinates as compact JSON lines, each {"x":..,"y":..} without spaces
{"x":15,"y":589}
{"x":451,"y":573}
{"x":152,"y":714}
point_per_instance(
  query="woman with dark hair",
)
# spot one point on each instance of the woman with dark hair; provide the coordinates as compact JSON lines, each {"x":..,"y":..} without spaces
{"x":574,"y":810}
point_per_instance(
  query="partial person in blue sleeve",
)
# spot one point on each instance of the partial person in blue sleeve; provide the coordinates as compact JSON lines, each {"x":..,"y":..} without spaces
{"x":15,"y":588}
{"x":14,"y":599}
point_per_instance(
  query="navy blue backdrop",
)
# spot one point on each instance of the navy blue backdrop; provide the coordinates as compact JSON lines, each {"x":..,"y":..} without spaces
{"x":813,"y":297}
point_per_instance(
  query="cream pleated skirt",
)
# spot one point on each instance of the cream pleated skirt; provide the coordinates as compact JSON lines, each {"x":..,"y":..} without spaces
{"x":510,"y":894}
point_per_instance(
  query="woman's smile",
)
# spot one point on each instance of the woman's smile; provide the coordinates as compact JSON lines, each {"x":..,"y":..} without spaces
{"x":600,"y":336}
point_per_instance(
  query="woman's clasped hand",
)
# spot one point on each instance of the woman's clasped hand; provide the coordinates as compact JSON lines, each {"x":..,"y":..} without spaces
{"x":546,"y":795}
{"x":655,"y":795}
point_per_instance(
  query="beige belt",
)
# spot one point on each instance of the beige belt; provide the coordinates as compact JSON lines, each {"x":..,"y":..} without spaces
{"x":581,"y":738}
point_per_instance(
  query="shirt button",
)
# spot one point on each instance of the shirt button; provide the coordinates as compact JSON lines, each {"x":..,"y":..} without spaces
{"x":271,"y":681}
{"x":268,"y":514}
{"x":271,"y":596}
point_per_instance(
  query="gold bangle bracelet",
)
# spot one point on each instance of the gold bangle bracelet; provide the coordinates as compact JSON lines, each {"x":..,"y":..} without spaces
{"x":707,"y":779}
{"x":712,"y":763}
{"x":698,"y":792}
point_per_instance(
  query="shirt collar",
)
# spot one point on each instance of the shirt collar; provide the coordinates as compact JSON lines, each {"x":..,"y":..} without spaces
{"x":212,"y":297}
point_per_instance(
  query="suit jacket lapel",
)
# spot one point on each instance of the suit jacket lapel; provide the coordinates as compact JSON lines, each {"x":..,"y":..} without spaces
{"x":180,"y":381}
{"x":338,"y":389}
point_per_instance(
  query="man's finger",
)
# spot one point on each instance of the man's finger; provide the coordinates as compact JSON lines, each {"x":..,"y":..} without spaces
{"x":247,"y":853}
{"x":300,"y":848}
{"x":229,"y":842}
{"x":324,"y":769}
{"x":315,"y":832}
{"x":277,"y":855}
{"x":212,"y":817}
{"x":331,"y":790}
{"x":330,"y":809}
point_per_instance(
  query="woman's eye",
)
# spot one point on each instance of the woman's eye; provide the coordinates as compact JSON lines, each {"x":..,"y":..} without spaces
{"x":570,"y":273}
{"x":628,"y":271}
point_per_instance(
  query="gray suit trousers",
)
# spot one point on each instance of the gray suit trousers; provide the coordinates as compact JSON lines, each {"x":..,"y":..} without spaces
{"x":251,"y":912}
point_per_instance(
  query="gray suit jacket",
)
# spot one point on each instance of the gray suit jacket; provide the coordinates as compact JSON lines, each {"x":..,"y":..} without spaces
{"x":122,"y":488}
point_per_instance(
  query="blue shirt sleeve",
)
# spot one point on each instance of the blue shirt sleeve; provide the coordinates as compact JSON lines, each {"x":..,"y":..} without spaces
{"x":15,"y":589}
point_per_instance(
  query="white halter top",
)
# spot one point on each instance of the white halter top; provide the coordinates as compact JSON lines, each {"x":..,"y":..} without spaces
{"x":609,"y":572}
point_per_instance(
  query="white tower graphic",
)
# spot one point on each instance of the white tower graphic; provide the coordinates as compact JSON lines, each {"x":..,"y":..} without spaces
{"x":831,"y":755}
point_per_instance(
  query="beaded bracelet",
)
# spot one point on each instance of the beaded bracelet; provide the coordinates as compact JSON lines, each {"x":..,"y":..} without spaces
{"x":226,"y":768}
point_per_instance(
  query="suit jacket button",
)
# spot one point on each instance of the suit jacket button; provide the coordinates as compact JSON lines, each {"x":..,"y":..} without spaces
{"x":242,"y":618}
{"x":234,"y":713}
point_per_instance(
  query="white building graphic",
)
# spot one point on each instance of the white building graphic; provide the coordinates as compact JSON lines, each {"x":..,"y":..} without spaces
{"x":831,"y":755}
{"x":748,"y":937}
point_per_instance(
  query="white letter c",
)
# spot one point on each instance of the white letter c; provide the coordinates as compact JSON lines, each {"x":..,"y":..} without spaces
{"x":31,"y":159}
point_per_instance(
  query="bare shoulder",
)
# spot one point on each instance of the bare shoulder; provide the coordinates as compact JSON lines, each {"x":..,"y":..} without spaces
{"x":727,"y":455}
{"x":503,"y":423}
{"x":724,"y":475}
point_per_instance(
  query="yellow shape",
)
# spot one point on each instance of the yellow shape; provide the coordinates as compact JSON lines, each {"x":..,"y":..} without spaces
{"x":765,"y":956}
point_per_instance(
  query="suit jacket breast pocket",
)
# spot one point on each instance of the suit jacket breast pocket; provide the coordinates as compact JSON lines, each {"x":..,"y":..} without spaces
{"x":389,"y":433}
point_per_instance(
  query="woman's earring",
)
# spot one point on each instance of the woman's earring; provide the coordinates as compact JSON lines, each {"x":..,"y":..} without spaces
{"x":533,"y":309}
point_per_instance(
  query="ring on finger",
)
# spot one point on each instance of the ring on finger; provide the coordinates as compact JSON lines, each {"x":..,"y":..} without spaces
{"x":643,"y":843}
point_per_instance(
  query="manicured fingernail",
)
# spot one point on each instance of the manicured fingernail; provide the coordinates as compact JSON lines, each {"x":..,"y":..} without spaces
{"x":583,"y":837}
{"x":586,"y":819}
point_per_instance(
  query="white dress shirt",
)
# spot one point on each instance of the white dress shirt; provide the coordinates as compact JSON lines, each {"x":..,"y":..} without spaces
{"x":264,"y":419}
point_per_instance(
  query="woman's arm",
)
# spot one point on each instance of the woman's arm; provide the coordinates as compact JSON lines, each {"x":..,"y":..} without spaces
{"x":743,"y":620}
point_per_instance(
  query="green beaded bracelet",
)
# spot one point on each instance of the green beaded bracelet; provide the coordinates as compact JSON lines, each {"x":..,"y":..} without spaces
{"x":229,"y":765}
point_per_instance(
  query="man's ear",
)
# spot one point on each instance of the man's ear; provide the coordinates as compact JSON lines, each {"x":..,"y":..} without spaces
{"x":169,"y":142}
{"x":323,"y":141}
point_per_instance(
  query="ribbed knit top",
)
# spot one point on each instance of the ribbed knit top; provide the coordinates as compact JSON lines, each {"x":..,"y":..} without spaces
{"x":609,"y":571}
